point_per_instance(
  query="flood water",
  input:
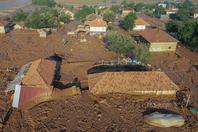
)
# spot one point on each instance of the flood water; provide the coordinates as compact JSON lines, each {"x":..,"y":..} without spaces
{"x":13,"y":4}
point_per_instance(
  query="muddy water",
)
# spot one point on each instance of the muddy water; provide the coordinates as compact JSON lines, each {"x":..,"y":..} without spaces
{"x":13,"y":4}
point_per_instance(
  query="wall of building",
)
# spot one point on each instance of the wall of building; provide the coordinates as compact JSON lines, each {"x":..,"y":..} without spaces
{"x":139,"y":27}
{"x":196,"y":15}
{"x":2,"y":30}
{"x":161,"y":47}
{"x":32,"y":94}
{"x":98,"y":29}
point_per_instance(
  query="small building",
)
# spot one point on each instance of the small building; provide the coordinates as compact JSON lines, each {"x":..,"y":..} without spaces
{"x":163,"y":5}
{"x":158,"y":40}
{"x":35,"y":83}
{"x":97,"y":25}
{"x":126,"y":11}
{"x":5,"y":26}
{"x":43,"y":33}
{"x":171,"y":11}
{"x":195,"y":16}
{"x":140,"y":24}
{"x":132,"y":82}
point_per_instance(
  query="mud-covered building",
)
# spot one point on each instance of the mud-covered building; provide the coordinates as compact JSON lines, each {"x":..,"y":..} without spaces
{"x":157,"y":40}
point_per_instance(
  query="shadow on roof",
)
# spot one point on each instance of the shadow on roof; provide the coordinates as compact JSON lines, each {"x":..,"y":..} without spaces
{"x":117,"y":68}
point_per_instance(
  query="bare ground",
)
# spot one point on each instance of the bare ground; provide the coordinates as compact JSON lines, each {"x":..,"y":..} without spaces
{"x":88,"y":113}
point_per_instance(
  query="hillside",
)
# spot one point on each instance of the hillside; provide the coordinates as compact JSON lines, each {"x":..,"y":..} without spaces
{"x":108,"y":2}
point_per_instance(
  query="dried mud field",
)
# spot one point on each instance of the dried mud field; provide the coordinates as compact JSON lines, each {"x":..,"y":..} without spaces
{"x":110,"y":113}
{"x":85,"y":112}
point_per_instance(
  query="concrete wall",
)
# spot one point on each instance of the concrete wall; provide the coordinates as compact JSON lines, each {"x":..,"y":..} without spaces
{"x":161,"y":47}
{"x":98,"y":29}
{"x":2,"y":30}
{"x":139,"y":27}
{"x":196,"y":15}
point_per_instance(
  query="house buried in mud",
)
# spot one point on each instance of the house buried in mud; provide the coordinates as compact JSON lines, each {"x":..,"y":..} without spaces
{"x":157,"y":40}
{"x":35,"y":84}
{"x":132,"y":82}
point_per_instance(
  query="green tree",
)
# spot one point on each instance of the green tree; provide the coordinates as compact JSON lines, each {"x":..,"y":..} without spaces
{"x":142,"y":53}
{"x":188,"y":33}
{"x":126,"y":45}
{"x":109,"y":17}
{"x":128,"y":22}
{"x":187,"y":4}
{"x":183,"y":14}
{"x":159,"y":11}
{"x":68,"y":6}
{"x":139,"y":7}
{"x":172,"y":26}
{"x":49,"y":3}
{"x":20,"y":15}
{"x":124,"y":4}
{"x":83,"y":12}
{"x":40,"y":19}
{"x":120,"y":43}
{"x":64,"y":18}
{"x":115,"y":9}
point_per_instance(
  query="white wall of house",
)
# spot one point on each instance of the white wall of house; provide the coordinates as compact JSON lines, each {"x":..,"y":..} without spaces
{"x":170,"y":12}
{"x":2,"y":30}
{"x":162,"y":5}
{"x":139,"y":27}
{"x":163,"y":47}
{"x":16,"y":98}
{"x":98,"y":29}
{"x":196,"y":15}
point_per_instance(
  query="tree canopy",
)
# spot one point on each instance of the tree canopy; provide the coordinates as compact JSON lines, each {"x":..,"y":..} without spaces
{"x":64,"y":18}
{"x":46,"y":18}
{"x":109,"y":17}
{"x":20,"y":15}
{"x":183,"y":14}
{"x":126,"y":45}
{"x":159,"y":11}
{"x":38,"y":19}
{"x":172,"y":26}
{"x":49,"y":3}
{"x":83,"y":12}
{"x":120,"y":43}
{"x":188,"y":33}
{"x":128,"y":22}
{"x":115,"y":9}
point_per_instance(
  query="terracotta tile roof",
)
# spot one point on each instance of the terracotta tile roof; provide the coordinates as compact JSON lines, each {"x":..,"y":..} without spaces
{"x":3,"y":22}
{"x":140,"y":21}
{"x":96,"y":23}
{"x":156,"y":36}
{"x":40,"y":74}
{"x":135,"y":82}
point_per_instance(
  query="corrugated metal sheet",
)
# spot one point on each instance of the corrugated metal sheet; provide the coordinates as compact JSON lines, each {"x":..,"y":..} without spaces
{"x":29,"y":94}
{"x":17,"y":92}
{"x":18,"y":78}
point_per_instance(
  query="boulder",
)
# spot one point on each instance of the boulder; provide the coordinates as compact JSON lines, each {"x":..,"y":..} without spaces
{"x":164,"y":120}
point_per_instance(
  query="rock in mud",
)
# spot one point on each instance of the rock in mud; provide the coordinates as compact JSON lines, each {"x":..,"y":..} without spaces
{"x":164,"y":120}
